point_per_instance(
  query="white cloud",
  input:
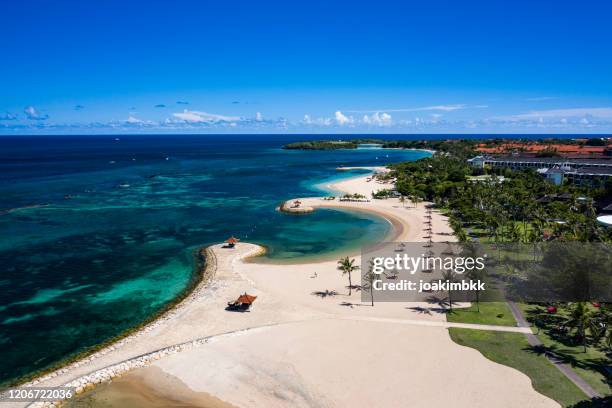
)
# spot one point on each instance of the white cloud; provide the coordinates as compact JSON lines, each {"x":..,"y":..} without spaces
{"x":598,"y":113}
{"x":203,"y":117}
{"x":342,"y":119}
{"x":132,"y":120}
{"x":33,"y":114}
{"x":7,"y":116}
{"x":308,"y":120}
{"x":258,"y":117}
{"x":541,"y":98}
{"x":377,"y":119}
{"x":445,"y":108}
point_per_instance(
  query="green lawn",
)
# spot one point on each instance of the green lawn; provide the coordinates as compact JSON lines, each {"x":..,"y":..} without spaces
{"x":590,"y":365}
{"x":513,"y":350}
{"x":490,"y":313}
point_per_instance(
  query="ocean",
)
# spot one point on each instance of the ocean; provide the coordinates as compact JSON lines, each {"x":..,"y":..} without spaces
{"x":99,"y":233}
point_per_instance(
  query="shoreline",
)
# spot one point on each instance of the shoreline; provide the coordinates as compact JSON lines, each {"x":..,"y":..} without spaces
{"x":206,"y":266}
{"x":201,"y":279}
{"x":277,"y":342}
{"x":396,"y":231}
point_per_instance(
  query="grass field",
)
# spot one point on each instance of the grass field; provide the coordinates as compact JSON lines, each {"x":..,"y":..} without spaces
{"x":590,"y":365}
{"x":490,"y":313}
{"x":513,"y":350}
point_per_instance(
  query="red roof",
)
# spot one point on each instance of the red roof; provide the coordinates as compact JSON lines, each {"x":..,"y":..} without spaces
{"x":563,"y":149}
{"x":232,"y":240}
{"x":246,"y":299}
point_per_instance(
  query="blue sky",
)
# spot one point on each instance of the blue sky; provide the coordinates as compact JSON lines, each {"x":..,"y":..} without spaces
{"x":310,"y":66}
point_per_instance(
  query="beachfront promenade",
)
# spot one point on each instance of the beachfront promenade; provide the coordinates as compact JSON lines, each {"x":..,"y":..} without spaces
{"x":299,"y":348}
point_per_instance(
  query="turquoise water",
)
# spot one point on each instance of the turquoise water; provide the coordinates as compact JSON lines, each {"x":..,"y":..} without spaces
{"x":99,"y":234}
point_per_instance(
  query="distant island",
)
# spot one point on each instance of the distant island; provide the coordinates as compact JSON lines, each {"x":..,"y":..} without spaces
{"x":354,"y":143}
{"x":331,"y":144}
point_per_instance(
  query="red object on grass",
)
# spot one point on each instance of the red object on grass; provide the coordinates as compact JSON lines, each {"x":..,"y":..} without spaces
{"x":551,"y":309}
{"x":596,"y":304}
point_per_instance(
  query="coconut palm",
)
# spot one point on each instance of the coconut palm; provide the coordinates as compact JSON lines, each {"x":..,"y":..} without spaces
{"x":448,"y":276}
{"x":470,"y":250}
{"x":347,"y":266}
{"x":367,"y":283}
{"x":581,"y":319}
{"x":402,"y":200}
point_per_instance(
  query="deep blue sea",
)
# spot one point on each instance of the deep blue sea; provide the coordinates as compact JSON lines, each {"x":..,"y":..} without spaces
{"x":99,"y":232}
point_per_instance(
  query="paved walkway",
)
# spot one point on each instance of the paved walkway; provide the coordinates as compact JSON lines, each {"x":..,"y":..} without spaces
{"x":535,"y":342}
{"x":473,"y":326}
{"x":564,"y":368}
{"x":146,"y":358}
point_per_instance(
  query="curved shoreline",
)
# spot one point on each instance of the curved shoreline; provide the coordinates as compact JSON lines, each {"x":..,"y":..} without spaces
{"x":207,"y":268}
{"x":203,"y":279}
{"x":289,"y":322}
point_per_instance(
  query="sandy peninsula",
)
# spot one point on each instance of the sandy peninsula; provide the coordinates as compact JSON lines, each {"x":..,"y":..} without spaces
{"x":305,"y":342}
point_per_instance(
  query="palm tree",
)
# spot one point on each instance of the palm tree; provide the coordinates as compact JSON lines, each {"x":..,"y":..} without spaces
{"x":603,"y":322}
{"x":368,"y":280}
{"x":514,"y":232}
{"x":461,"y":235}
{"x":347,"y":266}
{"x":448,"y":276}
{"x":581,"y":320}
{"x":471,"y":251}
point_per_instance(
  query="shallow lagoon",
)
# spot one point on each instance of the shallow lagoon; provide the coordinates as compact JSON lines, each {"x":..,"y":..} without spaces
{"x":99,"y":234}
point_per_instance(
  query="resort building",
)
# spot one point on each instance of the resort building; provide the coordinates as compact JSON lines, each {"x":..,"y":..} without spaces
{"x":592,"y":172}
{"x":522,"y":162}
{"x":579,"y":149}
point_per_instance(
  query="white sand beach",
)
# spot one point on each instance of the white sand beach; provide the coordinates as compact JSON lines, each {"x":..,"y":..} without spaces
{"x":300,"y":348}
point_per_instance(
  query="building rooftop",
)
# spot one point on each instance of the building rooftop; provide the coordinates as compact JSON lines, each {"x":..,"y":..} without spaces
{"x":605,"y":220}
{"x":593,"y":170}
{"x":534,"y":148}
{"x":604,"y":161}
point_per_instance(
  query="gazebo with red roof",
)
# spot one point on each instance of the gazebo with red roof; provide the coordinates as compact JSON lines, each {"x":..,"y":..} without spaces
{"x":243,"y":303}
{"x":246,"y":299}
{"x":231,"y":241}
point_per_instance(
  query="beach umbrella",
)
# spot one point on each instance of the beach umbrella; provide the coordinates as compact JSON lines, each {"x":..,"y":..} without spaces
{"x":232,"y":240}
{"x":246,"y":299}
